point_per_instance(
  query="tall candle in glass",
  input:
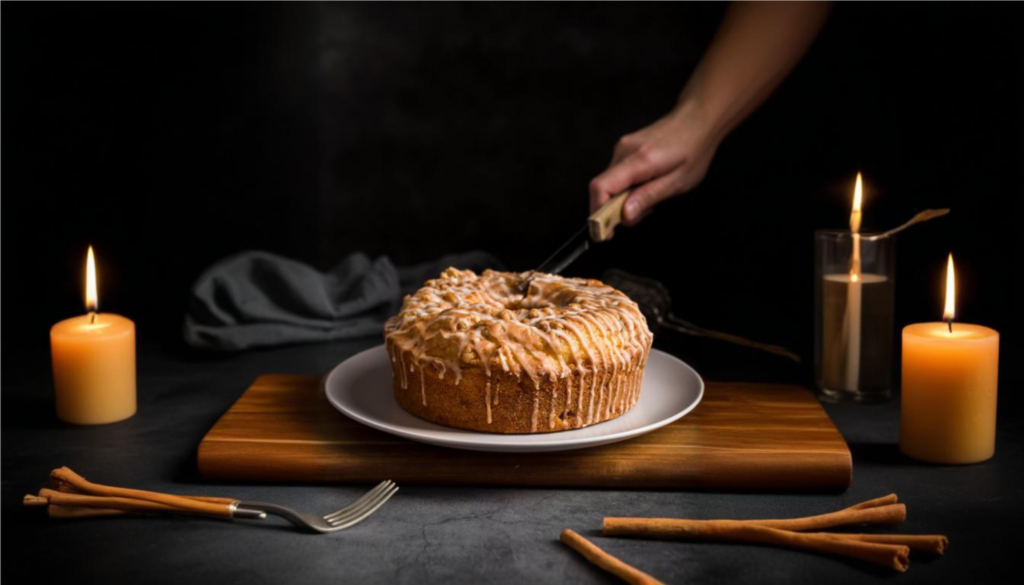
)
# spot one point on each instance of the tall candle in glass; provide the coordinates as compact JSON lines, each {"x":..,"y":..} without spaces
{"x":853,"y":333}
{"x":854,"y":284}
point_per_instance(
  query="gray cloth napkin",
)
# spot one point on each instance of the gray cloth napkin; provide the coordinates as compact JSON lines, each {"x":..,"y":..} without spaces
{"x":257,"y":299}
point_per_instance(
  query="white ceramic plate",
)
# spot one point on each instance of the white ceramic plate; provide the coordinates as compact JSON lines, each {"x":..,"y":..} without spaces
{"x":360,"y":387}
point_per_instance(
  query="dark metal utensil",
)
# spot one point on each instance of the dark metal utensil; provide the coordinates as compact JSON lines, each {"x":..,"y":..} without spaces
{"x":567,"y":253}
{"x":656,"y":304}
{"x":598,"y":229}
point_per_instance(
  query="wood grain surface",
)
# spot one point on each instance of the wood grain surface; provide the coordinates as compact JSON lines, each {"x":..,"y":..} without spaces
{"x":741,"y":436}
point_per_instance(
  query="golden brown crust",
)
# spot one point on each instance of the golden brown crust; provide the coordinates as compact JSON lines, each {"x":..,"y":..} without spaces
{"x":472,"y":351}
{"x":506,"y":403}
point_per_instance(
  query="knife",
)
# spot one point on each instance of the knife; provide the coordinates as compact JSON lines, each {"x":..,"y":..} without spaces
{"x":598,"y":229}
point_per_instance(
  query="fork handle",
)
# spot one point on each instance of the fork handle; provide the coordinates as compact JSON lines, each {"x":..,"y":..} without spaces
{"x":59,"y":512}
{"x":275,"y":510}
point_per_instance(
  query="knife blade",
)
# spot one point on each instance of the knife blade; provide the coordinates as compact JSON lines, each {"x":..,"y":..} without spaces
{"x":598,"y":228}
{"x":567,"y":253}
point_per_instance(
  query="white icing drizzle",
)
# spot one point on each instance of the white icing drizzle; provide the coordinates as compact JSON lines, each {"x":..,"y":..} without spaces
{"x":536,"y":411}
{"x":551,"y":414}
{"x":423,"y":387}
{"x":562,"y":328}
{"x":488,"y":390}
{"x":579,"y":407}
{"x":635,"y":390}
{"x":405,"y":377}
{"x":612,"y":395}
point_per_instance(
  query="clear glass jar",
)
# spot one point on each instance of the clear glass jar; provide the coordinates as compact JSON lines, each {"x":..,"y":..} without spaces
{"x":854,"y":285}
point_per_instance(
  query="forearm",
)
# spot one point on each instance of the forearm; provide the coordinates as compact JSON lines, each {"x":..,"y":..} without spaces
{"x":756,"y":46}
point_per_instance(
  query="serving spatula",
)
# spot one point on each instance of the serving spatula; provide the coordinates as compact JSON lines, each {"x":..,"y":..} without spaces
{"x":655,"y":303}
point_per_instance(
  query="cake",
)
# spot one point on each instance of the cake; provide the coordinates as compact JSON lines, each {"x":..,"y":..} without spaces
{"x":478,"y":352}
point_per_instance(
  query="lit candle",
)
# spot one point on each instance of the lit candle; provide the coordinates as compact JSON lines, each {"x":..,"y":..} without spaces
{"x":856,"y":317}
{"x":950,"y":373}
{"x":854,"y":294}
{"x":93,"y":362}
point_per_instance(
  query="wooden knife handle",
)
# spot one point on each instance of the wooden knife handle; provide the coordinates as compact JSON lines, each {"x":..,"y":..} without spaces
{"x":604,"y":220}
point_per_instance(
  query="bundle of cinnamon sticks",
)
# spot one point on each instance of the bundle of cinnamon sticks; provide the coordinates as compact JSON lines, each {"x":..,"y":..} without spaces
{"x":72,"y":496}
{"x":889,"y":550}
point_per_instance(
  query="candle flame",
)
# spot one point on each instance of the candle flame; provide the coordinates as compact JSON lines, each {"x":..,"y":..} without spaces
{"x":855,"y":215}
{"x":858,"y":199}
{"x":92,"y":301}
{"x":950,"y":311}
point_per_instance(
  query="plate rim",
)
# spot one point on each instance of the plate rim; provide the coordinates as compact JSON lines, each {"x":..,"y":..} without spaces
{"x":471,"y":438}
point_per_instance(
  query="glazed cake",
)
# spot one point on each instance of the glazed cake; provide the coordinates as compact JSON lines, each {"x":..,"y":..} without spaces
{"x":474,"y":352}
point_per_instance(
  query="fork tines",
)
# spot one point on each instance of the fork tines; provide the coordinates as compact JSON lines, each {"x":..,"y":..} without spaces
{"x":360,"y":509}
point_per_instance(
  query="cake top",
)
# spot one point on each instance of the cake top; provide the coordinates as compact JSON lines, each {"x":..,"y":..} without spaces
{"x":559,"y":326}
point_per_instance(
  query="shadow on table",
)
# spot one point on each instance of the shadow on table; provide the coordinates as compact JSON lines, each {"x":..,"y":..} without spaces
{"x":32,"y":413}
{"x":881,"y":453}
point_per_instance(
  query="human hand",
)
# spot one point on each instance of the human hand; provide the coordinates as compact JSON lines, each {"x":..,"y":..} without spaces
{"x":665,"y":159}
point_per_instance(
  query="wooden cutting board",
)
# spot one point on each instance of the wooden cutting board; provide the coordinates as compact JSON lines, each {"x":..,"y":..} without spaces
{"x":741,"y":436}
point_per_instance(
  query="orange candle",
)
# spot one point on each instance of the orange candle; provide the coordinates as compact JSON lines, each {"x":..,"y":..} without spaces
{"x":950,"y":378}
{"x":93,"y":362}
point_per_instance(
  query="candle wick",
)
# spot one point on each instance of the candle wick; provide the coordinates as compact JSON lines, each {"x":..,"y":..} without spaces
{"x":950,"y":323}
{"x":92,"y":317}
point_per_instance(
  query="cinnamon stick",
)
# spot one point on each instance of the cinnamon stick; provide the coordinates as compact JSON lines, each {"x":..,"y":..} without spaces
{"x":73,"y":512}
{"x":29,"y":501}
{"x":68,"y":477}
{"x":133,"y":505}
{"x":668,"y":527}
{"x":605,"y":561}
{"x":889,"y":555}
{"x":928,"y":543}
{"x":70,"y":489}
{"x":875,"y":503}
{"x":65,"y":512}
{"x":884,"y":514}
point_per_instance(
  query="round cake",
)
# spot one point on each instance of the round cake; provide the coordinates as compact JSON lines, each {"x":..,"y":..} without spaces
{"x":474,"y":352}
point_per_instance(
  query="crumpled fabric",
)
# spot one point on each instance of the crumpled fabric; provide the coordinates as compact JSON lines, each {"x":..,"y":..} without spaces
{"x":259,"y":299}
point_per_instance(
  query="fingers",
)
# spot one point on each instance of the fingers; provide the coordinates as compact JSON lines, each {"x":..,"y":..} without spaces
{"x":642,"y":200}
{"x":634,"y":169}
{"x":625,"y":146}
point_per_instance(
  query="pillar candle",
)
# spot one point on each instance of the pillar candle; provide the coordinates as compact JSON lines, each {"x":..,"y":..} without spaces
{"x":950,"y":378}
{"x":94,"y":368}
{"x":93,"y":362}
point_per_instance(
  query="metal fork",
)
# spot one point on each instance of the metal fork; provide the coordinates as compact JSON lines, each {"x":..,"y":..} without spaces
{"x":340,"y":519}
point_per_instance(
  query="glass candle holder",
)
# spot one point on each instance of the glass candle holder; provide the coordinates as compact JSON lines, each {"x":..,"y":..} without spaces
{"x":854,"y":284}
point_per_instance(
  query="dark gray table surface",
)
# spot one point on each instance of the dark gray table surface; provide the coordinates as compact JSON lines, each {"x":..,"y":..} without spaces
{"x":436,"y":533}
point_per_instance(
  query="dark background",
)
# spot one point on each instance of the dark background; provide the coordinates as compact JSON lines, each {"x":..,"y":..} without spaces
{"x":169,"y":136}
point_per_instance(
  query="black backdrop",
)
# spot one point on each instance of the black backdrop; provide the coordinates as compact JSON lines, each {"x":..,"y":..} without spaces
{"x":171,"y":135}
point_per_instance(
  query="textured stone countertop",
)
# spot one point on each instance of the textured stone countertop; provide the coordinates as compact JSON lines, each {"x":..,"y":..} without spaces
{"x":445,"y":534}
